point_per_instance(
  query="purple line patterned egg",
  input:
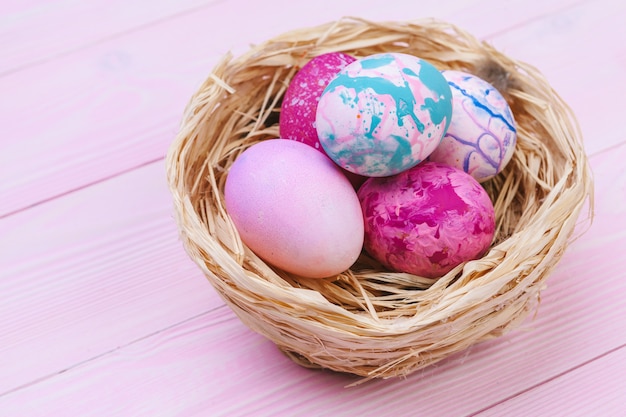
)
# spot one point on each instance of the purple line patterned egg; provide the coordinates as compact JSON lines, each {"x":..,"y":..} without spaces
{"x":297,"y":113}
{"x":482,"y":135}
{"x":426,"y":220}
{"x":383,"y":114}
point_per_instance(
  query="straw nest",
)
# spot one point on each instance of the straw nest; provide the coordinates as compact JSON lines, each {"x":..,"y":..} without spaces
{"x":369,"y":321}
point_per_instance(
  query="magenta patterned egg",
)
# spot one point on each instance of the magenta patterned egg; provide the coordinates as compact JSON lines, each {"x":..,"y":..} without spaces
{"x":482,"y":135}
{"x":297,"y":113}
{"x":383,"y":114}
{"x":426,"y":220}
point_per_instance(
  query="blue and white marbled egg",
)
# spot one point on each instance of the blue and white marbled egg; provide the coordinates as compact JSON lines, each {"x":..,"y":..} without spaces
{"x":383,"y":114}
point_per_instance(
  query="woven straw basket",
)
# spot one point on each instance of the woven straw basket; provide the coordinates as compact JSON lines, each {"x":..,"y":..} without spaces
{"x":368,"y":321}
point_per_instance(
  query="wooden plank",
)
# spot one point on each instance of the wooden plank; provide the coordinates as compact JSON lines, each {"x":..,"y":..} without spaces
{"x":213,"y":365}
{"x":96,"y":113}
{"x":71,"y":25}
{"x":594,"y":389}
{"x":90,"y":272}
{"x":175,"y":372}
{"x":36,"y":31}
{"x":82,"y":117}
{"x":580,"y":43}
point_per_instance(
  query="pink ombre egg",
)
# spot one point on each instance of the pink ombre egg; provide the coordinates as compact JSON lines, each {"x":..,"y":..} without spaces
{"x":426,"y":220}
{"x":294,"y":208}
{"x":297,"y":113}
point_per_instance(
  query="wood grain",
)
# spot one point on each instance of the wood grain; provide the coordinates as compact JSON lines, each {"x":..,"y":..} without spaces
{"x":582,"y":53}
{"x":93,"y":271}
{"x":37,"y":31}
{"x":103,"y":314}
{"x":85,"y":116}
{"x":593,"y":389}
{"x":214,"y":365}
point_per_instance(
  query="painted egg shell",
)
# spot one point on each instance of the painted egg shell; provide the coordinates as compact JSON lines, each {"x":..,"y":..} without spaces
{"x":294,"y":208}
{"x":383,"y":114}
{"x":297,"y":113}
{"x":482,"y":135}
{"x":426,"y":220}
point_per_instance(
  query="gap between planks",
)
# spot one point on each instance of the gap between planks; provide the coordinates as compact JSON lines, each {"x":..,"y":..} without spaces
{"x":73,"y":38}
{"x":108,"y":352}
{"x":596,"y":389}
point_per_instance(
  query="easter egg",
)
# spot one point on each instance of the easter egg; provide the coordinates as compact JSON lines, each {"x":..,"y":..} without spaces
{"x":294,"y":208}
{"x":297,"y":113}
{"x":426,"y":220}
{"x":482,"y":135}
{"x":383,"y":114}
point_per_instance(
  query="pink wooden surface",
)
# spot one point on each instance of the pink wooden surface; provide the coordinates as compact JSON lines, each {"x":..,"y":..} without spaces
{"x":101,"y":311}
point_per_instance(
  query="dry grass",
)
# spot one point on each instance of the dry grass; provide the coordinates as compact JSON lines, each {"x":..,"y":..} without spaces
{"x":368,"y":321}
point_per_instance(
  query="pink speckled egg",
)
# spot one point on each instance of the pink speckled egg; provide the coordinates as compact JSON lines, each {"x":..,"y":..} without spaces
{"x":482,"y":135}
{"x":294,"y":208}
{"x":383,"y":114}
{"x":426,"y":220}
{"x":297,"y":113}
